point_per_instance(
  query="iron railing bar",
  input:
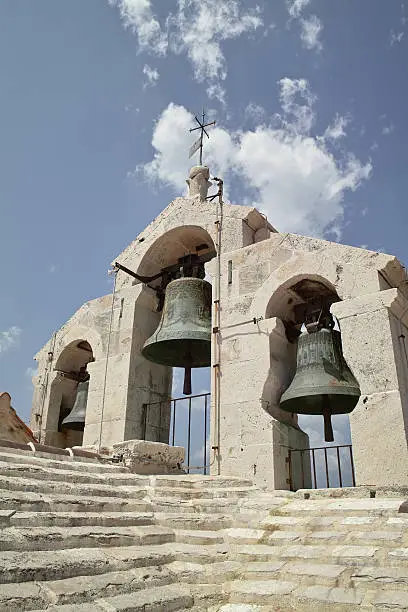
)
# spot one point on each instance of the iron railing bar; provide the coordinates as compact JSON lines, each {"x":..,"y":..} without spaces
{"x":189,"y":434}
{"x":327,"y":469}
{"x":352,"y":467}
{"x":339,"y":467}
{"x":172,"y":399}
{"x":290,"y":469}
{"x":298,"y":450}
{"x":205,"y":436}
{"x":174,"y":420}
{"x":314,"y":468}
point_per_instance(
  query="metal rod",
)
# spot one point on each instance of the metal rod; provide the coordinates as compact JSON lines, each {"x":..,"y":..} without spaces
{"x":145,"y":409}
{"x":290,"y":469}
{"x":327,"y":468}
{"x":175,"y":399}
{"x":174,"y":420}
{"x":314,"y":468}
{"x":339,"y":467}
{"x":254,"y":320}
{"x":205,"y":435}
{"x":189,"y":433}
{"x":353,"y":474}
{"x":302,"y":469}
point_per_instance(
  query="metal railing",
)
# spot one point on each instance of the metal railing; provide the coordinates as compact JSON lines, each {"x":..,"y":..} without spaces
{"x":173,"y":421}
{"x":320,"y":467}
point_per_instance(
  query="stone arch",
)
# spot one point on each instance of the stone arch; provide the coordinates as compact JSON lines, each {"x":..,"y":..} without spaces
{"x":173,"y":244}
{"x":69,"y":369}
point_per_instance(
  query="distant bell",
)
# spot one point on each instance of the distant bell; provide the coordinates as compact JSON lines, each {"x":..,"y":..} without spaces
{"x":183,"y":337}
{"x":323,"y":383}
{"x":76,"y":418}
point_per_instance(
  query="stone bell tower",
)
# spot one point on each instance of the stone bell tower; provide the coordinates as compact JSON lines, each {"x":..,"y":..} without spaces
{"x":259,"y":279}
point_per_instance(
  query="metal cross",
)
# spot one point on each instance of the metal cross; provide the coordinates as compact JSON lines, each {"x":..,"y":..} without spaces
{"x":199,"y":142}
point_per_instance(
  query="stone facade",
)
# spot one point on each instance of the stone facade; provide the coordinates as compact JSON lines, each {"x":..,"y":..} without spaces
{"x":255,"y":277}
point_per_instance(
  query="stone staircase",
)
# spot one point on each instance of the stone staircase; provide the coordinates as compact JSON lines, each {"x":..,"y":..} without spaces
{"x":81,"y":535}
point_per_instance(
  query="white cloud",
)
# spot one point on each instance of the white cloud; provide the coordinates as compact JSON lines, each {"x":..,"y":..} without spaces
{"x":9,"y":338}
{"x":388,"y":129}
{"x":297,"y":101}
{"x":200,"y":26}
{"x":295,"y":7}
{"x":138,"y":16}
{"x":30,"y":372}
{"x":53,"y":268}
{"x":198,"y":29}
{"x":288,"y":173}
{"x":396,"y":37}
{"x":364,"y":212}
{"x":310,"y":27}
{"x":255,"y":112}
{"x":310,"y":32}
{"x":217,"y":92}
{"x":336,"y":130}
{"x":152,"y":76}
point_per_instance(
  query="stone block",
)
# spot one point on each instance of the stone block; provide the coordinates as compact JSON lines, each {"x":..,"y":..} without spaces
{"x":391,"y":599}
{"x":331,"y":595}
{"x":143,"y":457}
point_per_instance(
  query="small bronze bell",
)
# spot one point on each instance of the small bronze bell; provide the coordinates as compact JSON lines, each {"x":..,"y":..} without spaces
{"x":183,"y":337}
{"x":76,"y":418}
{"x":323,"y":383}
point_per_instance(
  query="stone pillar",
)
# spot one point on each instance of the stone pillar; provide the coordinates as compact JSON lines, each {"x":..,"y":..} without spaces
{"x":254,"y":434}
{"x":115,"y":409}
{"x":375,"y":340}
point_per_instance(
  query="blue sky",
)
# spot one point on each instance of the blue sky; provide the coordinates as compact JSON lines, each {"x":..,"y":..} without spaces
{"x":310,"y":102}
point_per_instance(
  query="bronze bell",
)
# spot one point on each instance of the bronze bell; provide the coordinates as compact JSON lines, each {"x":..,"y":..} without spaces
{"x":183,"y":337}
{"x":76,"y":418}
{"x":323,"y":383}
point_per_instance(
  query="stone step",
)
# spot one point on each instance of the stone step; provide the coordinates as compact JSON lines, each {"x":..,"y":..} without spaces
{"x":202,"y":493}
{"x":257,"y":510}
{"x":195,"y":536}
{"x":16,"y":566}
{"x":169,"y":598}
{"x":79,"y":519}
{"x":196,"y":553}
{"x":35,"y":502}
{"x":81,"y":589}
{"x":380,"y":577}
{"x":345,"y":506}
{"x":236,"y":535}
{"x":286,"y":595}
{"x":57,"y":538}
{"x":42,"y":473}
{"x":192,"y":520}
{"x":79,"y":464}
{"x":337,"y":554}
{"x":218,"y":572}
{"x":198,"y":481}
{"x":100,"y":490}
{"x":305,"y":523}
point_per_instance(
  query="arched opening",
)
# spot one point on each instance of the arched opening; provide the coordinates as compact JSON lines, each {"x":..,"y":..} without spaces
{"x":291,"y":303}
{"x":168,"y":253}
{"x":71,"y":367}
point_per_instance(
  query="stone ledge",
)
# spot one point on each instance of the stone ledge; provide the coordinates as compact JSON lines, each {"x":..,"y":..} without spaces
{"x":145,"y":457}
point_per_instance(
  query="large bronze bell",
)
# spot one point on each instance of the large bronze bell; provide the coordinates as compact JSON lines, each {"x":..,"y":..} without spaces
{"x":183,"y":337}
{"x":76,"y":418}
{"x":323,"y":383}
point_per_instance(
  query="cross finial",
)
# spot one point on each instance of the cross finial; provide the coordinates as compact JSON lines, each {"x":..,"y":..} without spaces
{"x":198,"y":145}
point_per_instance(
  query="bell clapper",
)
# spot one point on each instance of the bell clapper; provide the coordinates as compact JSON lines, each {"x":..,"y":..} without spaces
{"x":187,"y":390}
{"x":328,"y":428}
